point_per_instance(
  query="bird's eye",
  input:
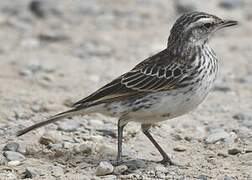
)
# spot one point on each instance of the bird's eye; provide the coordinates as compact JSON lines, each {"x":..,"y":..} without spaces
{"x":207,"y":25}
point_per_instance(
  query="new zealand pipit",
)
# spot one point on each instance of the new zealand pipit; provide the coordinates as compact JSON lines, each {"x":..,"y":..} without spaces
{"x":166,"y":85}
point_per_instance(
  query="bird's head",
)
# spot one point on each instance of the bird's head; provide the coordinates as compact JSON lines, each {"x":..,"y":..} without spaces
{"x":195,"y":28}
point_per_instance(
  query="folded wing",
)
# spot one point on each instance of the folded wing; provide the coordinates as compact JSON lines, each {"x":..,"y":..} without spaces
{"x":151,"y":75}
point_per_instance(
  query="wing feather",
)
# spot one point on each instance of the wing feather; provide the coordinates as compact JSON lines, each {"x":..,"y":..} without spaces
{"x":152,"y":75}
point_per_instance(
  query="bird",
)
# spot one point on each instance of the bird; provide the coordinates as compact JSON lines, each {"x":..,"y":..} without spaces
{"x":166,"y":85}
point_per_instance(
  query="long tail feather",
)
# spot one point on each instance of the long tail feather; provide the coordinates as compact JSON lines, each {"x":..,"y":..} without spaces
{"x":52,"y":119}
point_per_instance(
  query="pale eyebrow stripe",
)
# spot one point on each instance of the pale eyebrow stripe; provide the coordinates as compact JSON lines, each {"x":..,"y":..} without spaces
{"x":205,"y":19}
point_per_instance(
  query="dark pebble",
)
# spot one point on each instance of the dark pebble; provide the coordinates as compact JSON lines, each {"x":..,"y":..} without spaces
{"x":234,"y":151}
{"x":36,"y":7}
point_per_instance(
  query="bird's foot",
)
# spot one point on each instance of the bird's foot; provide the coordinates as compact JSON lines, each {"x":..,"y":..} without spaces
{"x":169,"y":162}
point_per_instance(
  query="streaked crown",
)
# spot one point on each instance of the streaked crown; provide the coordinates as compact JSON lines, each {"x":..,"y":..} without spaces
{"x":195,"y":28}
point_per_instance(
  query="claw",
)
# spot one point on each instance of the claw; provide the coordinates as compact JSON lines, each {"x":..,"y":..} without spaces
{"x":169,"y":162}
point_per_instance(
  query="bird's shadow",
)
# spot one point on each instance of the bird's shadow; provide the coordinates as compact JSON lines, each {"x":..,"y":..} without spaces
{"x":71,"y":159}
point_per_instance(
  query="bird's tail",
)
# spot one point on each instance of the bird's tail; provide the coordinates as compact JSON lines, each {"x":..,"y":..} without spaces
{"x":52,"y":119}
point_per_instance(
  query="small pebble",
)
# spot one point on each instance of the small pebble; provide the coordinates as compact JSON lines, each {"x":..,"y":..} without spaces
{"x":13,"y":146}
{"x":67,"y":145}
{"x":57,"y":146}
{"x":217,"y":136}
{"x":47,"y":139}
{"x":14,"y":163}
{"x":57,"y":171}
{"x":96,"y":123}
{"x":234,"y":151}
{"x":68,"y":102}
{"x":179,"y":148}
{"x":47,"y":78}
{"x":29,"y":43}
{"x":68,"y":126}
{"x":86,"y":148}
{"x":14,"y":156}
{"x":52,"y":36}
{"x":120,"y":169}
{"x":242,"y":116}
{"x":104,"y":168}
{"x":222,"y":154}
{"x":25,"y":72}
{"x":58,"y":153}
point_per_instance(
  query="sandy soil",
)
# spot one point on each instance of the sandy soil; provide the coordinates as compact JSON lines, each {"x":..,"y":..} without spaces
{"x":56,"y":52}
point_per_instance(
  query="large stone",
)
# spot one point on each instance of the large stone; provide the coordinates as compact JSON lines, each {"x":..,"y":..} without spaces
{"x":14,"y":156}
{"x":104,"y":168}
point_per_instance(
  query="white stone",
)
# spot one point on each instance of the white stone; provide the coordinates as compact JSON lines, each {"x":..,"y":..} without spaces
{"x":120,"y":169}
{"x":13,"y":156}
{"x":215,"y":137}
{"x":104,"y":168}
{"x":14,"y":163}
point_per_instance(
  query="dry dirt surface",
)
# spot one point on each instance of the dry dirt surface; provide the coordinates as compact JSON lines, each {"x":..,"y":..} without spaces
{"x":53,"y":53}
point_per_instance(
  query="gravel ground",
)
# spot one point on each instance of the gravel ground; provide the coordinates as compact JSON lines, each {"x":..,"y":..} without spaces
{"x":53,"y":53}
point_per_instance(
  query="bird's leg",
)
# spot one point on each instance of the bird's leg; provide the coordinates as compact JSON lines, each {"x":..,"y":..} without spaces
{"x":119,"y":143}
{"x":166,"y":159}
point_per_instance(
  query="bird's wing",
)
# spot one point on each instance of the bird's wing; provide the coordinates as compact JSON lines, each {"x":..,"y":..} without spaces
{"x":152,"y":75}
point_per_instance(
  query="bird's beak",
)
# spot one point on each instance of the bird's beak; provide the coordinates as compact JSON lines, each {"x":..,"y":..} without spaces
{"x":227,"y":23}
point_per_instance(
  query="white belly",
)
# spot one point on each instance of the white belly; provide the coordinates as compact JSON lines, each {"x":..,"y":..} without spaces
{"x":161,"y":106}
